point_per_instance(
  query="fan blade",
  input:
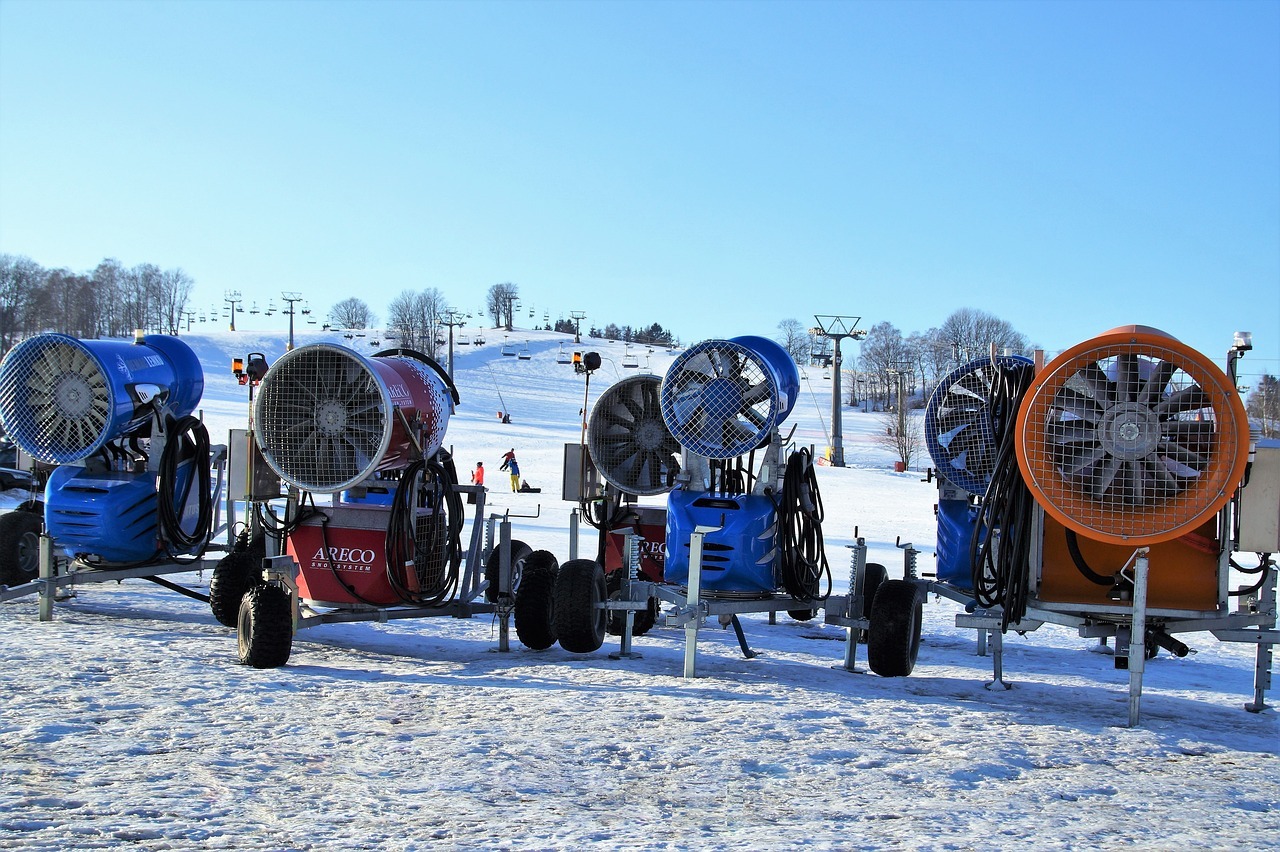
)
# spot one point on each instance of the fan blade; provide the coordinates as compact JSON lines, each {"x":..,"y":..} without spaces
{"x":1153,"y":388}
{"x":1096,"y":384}
{"x":1127,"y":382}
{"x":1073,"y":402}
{"x":1183,"y":401}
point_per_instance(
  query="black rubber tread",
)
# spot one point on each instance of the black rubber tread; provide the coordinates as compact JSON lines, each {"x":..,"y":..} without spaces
{"x":645,"y":619}
{"x":519,"y":553}
{"x":535,"y":604}
{"x":873,"y":578}
{"x":265,"y":627}
{"x":19,"y":547}
{"x":579,"y":619}
{"x":893,"y":639}
{"x":235,"y":574}
{"x":802,"y":614}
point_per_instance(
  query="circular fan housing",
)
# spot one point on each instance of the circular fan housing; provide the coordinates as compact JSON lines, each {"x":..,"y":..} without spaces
{"x":327,"y":417}
{"x":958,"y":422}
{"x":1132,"y":437}
{"x":721,"y":398}
{"x":629,"y":442}
{"x":62,"y":399}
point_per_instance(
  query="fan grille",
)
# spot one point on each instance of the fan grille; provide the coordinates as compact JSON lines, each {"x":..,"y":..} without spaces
{"x":55,"y":400}
{"x":1132,"y":438}
{"x":719,"y":399}
{"x":323,"y":418}
{"x":958,"y":423}
{"x":628,"y":440}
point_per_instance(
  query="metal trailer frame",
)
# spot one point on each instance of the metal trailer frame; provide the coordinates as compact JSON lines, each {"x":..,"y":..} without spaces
{"x":283,"y":571}
{"x":58,"y":573}
{"x":1253,"y":621}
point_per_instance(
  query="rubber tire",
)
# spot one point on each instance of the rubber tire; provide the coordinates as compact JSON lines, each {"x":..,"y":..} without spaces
{"x":235,"y":574}
{"x":645,"y":619}
{"x":19,"y":547}
{"x":580,"y":621}
{"x":265,"y":627}
{"x":872,"y":579}
{"x":802,"y":614}
{"x":893,"y":640}
{"x":519,"y":553}
{"x":535,"y":605}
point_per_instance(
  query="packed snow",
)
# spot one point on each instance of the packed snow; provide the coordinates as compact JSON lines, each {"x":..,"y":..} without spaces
{"x":127,"y":720}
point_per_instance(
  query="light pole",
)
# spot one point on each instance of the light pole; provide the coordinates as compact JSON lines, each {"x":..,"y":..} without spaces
{"x":837,"y":328}
{"x":290,"y":297}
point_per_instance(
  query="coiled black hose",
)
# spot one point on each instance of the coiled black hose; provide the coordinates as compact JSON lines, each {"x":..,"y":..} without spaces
{"x":1002,"y":574}
{"x":187,"y":440}
{"x":803,"y":566}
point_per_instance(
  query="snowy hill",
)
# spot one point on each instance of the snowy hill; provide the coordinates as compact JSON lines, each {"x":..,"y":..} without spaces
{"x":127,"y":720}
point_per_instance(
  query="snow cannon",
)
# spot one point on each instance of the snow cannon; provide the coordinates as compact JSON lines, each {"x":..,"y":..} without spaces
{"x":327,"y":418}
{"x":1127,"y":440}
{"x":961,"y":423}
{"x":722,"y":399}
{"x":87,"y":406}
{"x":63,"y":399}
{"x":630,"y":444}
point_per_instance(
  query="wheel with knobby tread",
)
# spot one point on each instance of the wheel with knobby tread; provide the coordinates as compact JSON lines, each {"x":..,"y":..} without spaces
{"x":519,"y":553}
{"x":645,"y":618}
{"x":873,"y":577}
{"x":236,"y":573}
{"x":893,"y":639}
{"x":580,"y":620}
{"x":265,"y":627}
{"x":536,"y":601}
{"x":19,"y":547}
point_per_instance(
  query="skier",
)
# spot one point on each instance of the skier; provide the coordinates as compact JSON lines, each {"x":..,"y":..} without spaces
{"x":510,"y":465}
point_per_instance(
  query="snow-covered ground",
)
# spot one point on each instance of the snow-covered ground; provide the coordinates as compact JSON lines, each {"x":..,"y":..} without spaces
{"x":126,"y":721}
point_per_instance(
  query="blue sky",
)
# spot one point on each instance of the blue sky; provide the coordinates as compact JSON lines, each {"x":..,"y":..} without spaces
{"x":714,"y":166}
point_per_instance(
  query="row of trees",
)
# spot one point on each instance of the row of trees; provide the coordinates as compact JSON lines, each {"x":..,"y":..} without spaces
{"x":887,"y":358}
{"x":110,"y":301}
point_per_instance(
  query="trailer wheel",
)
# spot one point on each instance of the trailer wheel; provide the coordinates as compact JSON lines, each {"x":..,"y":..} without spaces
{"x":536,"y":601}
{"x":265,"y":627}
{"x":19,"y":547}
{"x":235,"y":574}
{"x":873,"y":578}
{"x":580,"y":619}
{"x":645,"y":618}
{"x":519,"y":553}
{"x":893,"y":640}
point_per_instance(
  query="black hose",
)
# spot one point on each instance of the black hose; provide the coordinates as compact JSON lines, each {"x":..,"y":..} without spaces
{"x":425,"y":484}
{"x":182,"y":590}
{"x":1073,"y":547}
{"x":1264,"y":566}
{"x":803,"y":564}
{"x":188,"y":440}
{"x":1002,"y":576}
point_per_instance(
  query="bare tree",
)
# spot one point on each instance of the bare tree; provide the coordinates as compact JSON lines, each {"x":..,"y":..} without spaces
{"x":884,"y":351}
{"x":1263,"y":405}
{"x":903,"y":435}
{"x":20,"y":281}
{"x":500,"y":304}
{"x":794,"y":338}
{"x":416,"y":319}
{"x":175,"y":291}
{"x":351,"y":313}
{"x":971,"y":333}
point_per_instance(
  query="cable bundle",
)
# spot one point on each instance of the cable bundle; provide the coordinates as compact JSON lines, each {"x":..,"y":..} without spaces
{"x":435,"y":562}
{"x":1001,"y":574}
{"x":803,"y":565}
{"x":172,"y":498}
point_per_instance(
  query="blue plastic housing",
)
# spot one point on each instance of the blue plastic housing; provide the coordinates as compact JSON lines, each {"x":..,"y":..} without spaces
{"x":738,"y":558}
{"x":956,"y":520}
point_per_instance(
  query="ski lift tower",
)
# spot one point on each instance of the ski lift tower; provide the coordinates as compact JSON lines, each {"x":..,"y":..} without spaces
{"x":577,"y":317}
{"x":290,"y":297}
{"x":232,"y":298}
{"x":837,"y":328}
{"x":453,"y":319}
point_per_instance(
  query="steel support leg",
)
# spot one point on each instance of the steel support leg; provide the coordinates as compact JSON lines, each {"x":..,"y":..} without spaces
{"x":1138,"y":644}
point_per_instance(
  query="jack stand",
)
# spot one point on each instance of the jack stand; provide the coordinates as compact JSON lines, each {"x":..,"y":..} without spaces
{"x":631,"y":547}
{"x":997,"y":662}
{"x":742,"y":638}
{"x":854,"y":603}
{"x":47,"y":566}
{"x":1138,"y":644}
{"x":1263,"y":657}
{"x":694,"y":610}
